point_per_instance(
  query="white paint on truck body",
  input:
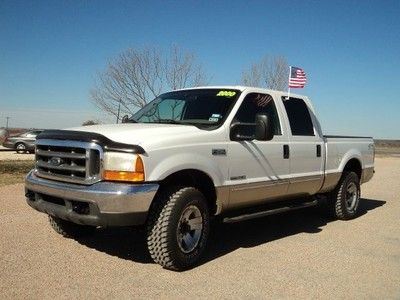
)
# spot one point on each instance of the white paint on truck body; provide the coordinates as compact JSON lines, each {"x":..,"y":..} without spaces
{"x":248,"y":166}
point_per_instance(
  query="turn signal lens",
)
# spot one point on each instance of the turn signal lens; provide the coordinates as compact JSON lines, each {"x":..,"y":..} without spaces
{"x":123,"y":176}
{"x":139,"y":167}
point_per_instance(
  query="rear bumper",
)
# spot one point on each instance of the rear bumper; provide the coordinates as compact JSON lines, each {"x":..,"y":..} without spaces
{"x":100,"y":204}
{"x":8,"y":145}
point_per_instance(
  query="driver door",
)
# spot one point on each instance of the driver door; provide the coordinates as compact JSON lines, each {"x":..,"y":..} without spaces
{"x":258,"y":170}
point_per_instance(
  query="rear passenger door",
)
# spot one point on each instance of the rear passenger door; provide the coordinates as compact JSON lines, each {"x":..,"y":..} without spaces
{"x":305,"y":148}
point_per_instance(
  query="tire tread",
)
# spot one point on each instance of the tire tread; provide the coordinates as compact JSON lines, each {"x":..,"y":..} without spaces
{"x":337,"y":205}
{"x":158,"y":240}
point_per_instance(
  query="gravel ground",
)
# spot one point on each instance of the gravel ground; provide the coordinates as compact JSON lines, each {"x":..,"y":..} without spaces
{"x":294,"y":255}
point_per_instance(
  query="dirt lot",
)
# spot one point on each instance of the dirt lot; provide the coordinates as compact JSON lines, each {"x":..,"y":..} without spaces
{"x":294,"y":255}
{"x":8,"y":154}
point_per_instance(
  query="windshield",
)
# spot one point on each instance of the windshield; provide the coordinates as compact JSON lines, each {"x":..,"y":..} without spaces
{"x":200,"y":107}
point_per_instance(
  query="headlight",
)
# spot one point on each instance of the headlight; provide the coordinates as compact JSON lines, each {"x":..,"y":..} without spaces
{"x":123,"y":167}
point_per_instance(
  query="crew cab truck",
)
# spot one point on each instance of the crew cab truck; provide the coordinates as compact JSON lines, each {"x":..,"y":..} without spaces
{"x":192,"y":154}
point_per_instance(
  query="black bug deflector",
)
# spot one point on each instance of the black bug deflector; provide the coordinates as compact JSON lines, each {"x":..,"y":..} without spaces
{"x":82,"y":136}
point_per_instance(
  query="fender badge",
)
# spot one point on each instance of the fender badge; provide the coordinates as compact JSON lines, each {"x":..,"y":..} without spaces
{"x":218,"y":152}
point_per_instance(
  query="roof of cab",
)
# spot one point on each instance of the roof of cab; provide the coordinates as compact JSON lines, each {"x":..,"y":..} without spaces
{"x":243,"y":88}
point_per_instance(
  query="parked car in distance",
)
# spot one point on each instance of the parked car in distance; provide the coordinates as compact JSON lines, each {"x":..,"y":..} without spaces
{"x":24,"y":142}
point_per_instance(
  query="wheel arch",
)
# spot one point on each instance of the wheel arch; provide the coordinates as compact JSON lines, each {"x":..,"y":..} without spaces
{"x":196,"y":178}
{"x":353,"y":165}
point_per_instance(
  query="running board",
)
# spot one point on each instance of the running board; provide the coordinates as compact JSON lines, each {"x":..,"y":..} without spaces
{"x":264,"y":213}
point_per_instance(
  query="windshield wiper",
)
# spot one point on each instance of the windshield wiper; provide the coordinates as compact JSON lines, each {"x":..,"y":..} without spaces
{"x":169,"y":121}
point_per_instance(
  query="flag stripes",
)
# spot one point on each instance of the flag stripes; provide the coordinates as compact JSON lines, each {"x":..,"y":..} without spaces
{"x":297,"y":78}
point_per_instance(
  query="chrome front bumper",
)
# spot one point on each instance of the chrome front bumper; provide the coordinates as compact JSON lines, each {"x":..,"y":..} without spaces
{"x":99,"y":204}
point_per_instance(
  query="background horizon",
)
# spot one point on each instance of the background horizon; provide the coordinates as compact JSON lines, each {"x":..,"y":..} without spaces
{"x":51,"y":51}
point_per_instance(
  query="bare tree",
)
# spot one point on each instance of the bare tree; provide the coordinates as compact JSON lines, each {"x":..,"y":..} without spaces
{"x":137,"y":76}
{"x":182,"y":70}
{"x":90,"y":122}
{"x":269,"y":72}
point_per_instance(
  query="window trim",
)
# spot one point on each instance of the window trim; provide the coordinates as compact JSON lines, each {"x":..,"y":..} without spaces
{"x":284,"y":98}
{"x":275,"y":105}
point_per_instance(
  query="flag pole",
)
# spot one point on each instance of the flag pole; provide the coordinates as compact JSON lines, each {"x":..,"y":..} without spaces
{"x":290,"y":73}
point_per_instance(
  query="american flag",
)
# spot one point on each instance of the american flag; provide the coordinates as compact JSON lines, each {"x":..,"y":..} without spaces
{"x":297,"y":78}
{"x":262,"y":100}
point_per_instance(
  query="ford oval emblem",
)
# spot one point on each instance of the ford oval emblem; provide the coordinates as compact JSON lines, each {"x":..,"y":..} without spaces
{"x":55,"y":161}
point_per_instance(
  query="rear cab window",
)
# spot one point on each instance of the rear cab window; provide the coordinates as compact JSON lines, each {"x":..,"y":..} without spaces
{"x":299,"y":117}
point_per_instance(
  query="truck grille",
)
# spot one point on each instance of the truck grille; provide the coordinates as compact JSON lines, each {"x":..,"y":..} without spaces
{"x":69,"y":161}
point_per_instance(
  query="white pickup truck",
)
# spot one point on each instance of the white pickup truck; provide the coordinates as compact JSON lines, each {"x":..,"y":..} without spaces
{"x":192,"y":154}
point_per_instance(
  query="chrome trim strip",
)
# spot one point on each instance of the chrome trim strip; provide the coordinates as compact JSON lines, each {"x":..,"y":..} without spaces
{"x":67,"y":168}
{"x":87,"y":162}
{"x":61,"y":154}
{"x":306,"y":178}
{"x":257,"y":185}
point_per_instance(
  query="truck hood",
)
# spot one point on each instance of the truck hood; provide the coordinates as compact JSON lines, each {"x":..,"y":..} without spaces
{"x":140,"y":133}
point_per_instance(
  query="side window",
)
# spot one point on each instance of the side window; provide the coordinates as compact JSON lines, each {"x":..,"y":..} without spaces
{"x":299,"y":117}
{"x":255,"y":103}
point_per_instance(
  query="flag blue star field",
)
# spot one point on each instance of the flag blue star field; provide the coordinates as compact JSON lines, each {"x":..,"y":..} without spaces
{"x":297,"y":78}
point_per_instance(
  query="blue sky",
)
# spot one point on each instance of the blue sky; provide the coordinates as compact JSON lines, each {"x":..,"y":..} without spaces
{"x":50,"y":52}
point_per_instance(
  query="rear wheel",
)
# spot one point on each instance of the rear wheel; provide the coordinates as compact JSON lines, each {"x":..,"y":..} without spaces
{"x":178,"y":228}
{"x":69,"y":229}
{"x":20,"y":148}
{"x":344,"y":199}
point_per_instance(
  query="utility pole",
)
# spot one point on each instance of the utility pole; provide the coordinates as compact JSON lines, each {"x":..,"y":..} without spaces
{"x":119,"y":108}
{"x":7,"y":122}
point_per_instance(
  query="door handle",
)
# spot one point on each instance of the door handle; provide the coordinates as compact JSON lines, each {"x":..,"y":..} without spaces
{"x":318,"y":150}
{"x":286,"y":151}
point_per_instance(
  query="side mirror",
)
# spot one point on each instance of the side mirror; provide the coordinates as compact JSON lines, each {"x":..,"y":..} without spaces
{"x":242,"y":132}
{"x":125,"y":119}
{"x":264,"y":130}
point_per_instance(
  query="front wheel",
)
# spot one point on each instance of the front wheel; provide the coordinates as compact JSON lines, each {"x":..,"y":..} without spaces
{"x":344,"y":199}
{"x":178,"y":228}
{"x":20,"y":148}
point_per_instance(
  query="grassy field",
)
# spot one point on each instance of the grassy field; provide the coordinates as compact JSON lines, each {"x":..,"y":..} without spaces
{"x":387,"y":147}
{"x":14,"y":171}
